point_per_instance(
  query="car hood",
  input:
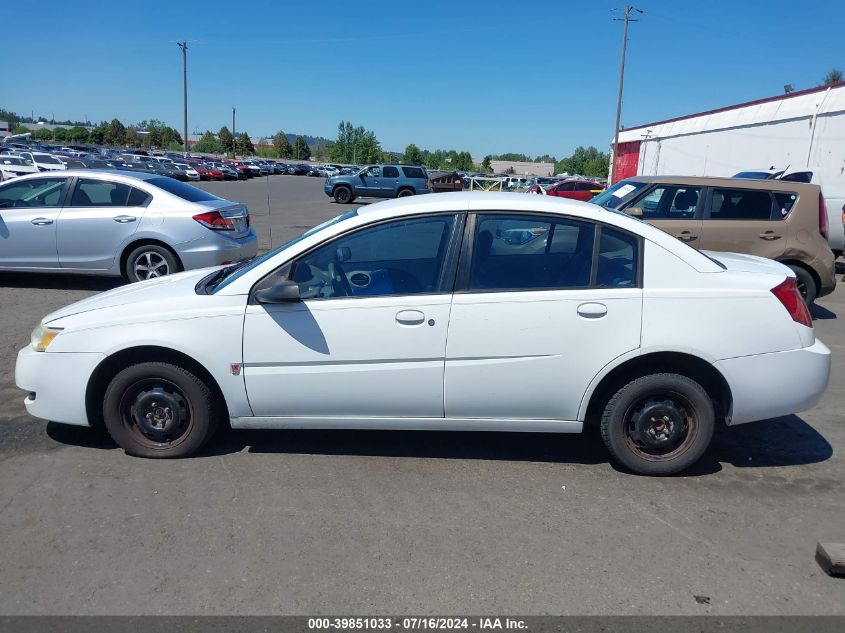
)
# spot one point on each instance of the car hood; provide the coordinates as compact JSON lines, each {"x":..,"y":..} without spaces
{"x":161,"y":290}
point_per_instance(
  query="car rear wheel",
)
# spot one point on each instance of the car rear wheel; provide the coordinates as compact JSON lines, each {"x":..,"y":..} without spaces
{"x":343,"y":195}
{"x":658,"y":424}
{"x":405,"y":193}
{"x":159,"y":410}
{"x":149,"y":261}
{"x":806,"y":284}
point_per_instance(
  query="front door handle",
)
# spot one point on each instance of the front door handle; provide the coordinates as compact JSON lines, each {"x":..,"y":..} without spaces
{"x":686,"y":236}
{"x":41,"y":221}
{"x":410,"y":318}
{"x":592,"y":310}
{"x":123,"y":219}
{"x":769,"y":235}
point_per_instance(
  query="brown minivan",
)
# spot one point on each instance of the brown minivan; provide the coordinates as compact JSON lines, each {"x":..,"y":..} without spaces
{"x":784,"y":221}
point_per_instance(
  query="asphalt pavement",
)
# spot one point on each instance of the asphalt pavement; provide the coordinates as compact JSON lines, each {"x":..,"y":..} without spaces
{"x":341,"y":522}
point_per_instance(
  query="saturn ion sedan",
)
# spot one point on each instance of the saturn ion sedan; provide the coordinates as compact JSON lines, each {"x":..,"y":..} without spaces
{"x":117,"y":223}
{"x":464,"y":311}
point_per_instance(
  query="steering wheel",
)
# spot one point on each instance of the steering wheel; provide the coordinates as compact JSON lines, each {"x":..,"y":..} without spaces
{"x":340,"y":284}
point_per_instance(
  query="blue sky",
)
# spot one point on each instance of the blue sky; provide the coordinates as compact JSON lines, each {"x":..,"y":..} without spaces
{"x":492,"y":77}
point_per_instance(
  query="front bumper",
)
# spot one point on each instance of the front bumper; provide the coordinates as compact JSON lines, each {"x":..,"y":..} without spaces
{"x":781,"y":383}
{"x":217,"y":248}
{"x":56,"y":382}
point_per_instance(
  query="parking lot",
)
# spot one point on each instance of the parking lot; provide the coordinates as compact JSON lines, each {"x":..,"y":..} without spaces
{"x":366,"y":522}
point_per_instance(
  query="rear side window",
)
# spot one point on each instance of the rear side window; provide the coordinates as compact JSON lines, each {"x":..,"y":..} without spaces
{"x":413,"y":172}
{"x":182,"y":190}
{"x":517,"y":252}
{"x":585,"y":186}
{"x":391,"y":172}
{"x":741,"y":204}
{"x":99,"y":193}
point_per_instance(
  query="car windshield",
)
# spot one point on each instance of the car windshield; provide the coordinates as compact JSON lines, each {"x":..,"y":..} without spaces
{"x":618,"y":194}
{"x":184,"y":191}
{"x":47,"y":159}
{"x":235,"y":271}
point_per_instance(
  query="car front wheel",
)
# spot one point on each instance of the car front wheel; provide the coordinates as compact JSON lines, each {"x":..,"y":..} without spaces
{"x":343,"y":195}
{"x":159,"y":410}
{"x":658,"y":424}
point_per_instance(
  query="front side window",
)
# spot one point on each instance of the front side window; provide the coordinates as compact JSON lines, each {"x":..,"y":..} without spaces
{"x":518,"y":252}
{"x":391,"y":172}
{"x":374,"y":172}
{"x":38,"y":192}
{"x":669,"y":202}
{"x":401,"y":257}
{"x":99,"y":193}
{"x":740,"y":204}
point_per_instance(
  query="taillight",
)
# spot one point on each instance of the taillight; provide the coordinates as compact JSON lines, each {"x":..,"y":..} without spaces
{"x":214,"y":221}
{"x":787,"y":293}
{"x":425,"y":183}
{"x":822,"y":217}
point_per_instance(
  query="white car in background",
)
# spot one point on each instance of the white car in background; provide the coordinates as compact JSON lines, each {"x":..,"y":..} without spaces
{"x":12,"y":166}
{"x":44,"y":162}
{"x":416,"y":314}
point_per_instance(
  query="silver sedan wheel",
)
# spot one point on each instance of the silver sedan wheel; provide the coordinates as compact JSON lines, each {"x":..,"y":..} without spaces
{"x":149,"y":265}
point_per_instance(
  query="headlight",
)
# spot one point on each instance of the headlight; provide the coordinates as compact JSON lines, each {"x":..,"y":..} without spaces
{"x":43,"y":336}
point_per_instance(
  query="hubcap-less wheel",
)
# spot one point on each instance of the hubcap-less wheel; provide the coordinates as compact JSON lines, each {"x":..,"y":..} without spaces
{"x":149,"y":265}
{"x":660,"y":427}
{"x":342,"y":195}
{"x":156,"y":413}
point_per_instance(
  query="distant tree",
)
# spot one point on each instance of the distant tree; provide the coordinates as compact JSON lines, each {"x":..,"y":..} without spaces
{"x":245,"y":146}
{"x":511,"y":157}
{"x":78,"y":134}
{"x":463,"y":161}
{"x":98,"y":133}
{"x":20,"y":129}
{"x":131,"y":138}
{"x":486,"y":162}
{"x":510,"y":170}
{"x":207,"y":144}
{"x":300,"y":149}
{"x":60,"y":134}
{"x":226,"y":140}
{"x":585,"y":161}
{"x":319,"y":153}
{"x":43,"y":134}
{"x":833,"y":77}
{"x":115,"y":133}
{"x":413,"y":155}
{"x":354,"y":145}
{"x":282,"y":144}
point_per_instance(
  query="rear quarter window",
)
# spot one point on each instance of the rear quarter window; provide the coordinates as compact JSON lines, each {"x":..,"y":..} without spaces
{"x":182,"y":190}
{"x":412,"y":172}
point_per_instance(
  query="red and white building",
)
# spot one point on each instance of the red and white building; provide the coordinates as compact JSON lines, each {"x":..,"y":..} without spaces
{"x":799,"y":131}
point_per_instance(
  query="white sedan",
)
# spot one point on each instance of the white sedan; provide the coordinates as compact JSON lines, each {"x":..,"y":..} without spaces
{"x":422,"y":313}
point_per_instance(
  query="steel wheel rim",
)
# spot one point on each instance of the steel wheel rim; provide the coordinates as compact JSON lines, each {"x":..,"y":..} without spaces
{"x":149,"y":265}
{"x":661,"y":426}
{"x":342,"y":195}
{"x":156,"y":413}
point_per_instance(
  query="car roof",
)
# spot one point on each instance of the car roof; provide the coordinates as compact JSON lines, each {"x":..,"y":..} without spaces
{"x":711,"y":181}
{"x":95,"y":173}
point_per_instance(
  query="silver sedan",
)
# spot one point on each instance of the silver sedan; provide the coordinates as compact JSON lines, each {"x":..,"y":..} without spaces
{"x":117,"y":223}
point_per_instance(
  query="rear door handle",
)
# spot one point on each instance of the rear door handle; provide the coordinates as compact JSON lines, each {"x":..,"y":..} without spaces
{"x":123,"y":219}
{"x":592,"y":310}
{"x":769,"y":235}
{"x":410,"y":318}
{"x":41,"y":221}
{"x":686,"y":236}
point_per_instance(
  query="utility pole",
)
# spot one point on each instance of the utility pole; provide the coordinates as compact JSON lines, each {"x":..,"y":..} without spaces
{"x":626,"y":18}
{"x":233,"y":133}
{"x":184,"y":47}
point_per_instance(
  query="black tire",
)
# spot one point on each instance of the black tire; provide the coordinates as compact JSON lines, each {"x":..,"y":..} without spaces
{"x":404,"y":193}
{"x":658,"y":424}
{"x":149,"y":261}
{"x":343,"y":195}
{"x":806,"y":284}
{"x":180,"y":417}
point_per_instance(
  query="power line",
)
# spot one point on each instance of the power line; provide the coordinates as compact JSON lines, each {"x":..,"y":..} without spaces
{"x":629,"y":9}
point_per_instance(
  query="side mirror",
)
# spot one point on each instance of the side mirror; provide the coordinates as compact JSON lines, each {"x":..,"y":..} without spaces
{"x":635,"y":212}
{"x":284,"y":291}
